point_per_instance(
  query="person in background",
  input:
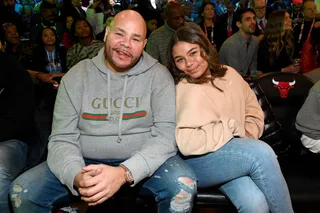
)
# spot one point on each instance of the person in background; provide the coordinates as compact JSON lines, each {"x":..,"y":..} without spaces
{"x":67,"y":38}
{"x":95,"y":16}
{"x":211,"y":26}
{"x":151,"y":17}
{"x":188,"y":11}
{"x":302,"y":29}
{"x":86,"y":47}
{"x":308,"y":120}
{"x":240,"y":50}
{"x":277,"y":48}
{"x":13,"y":45}
{"x":260,"y":7}
{"x":158,"y":41}
{"x":219,"y":122}
{"x":310,"y":59}
{"x":16,"y":122}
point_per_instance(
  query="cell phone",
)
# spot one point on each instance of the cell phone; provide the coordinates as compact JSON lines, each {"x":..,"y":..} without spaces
{"x":57,"y":79}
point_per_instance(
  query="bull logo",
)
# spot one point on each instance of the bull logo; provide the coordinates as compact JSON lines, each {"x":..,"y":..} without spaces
{"x":283,"y":87}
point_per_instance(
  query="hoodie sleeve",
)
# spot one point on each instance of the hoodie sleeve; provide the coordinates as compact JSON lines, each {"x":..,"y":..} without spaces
{"x":152,"y":48}
{"x":64,"y":153}
{"x":161,"y":144}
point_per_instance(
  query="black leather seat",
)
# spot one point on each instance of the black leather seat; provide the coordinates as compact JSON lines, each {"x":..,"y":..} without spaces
{"x":281,"y":95}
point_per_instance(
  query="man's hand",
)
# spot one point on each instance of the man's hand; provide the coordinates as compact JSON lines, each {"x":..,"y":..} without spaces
{"x":47,"y":77}
{"x":103,"y":185}
{"x":81,"y":177}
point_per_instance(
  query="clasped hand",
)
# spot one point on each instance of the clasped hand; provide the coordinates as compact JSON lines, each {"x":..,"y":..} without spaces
{"x":97,"y":183}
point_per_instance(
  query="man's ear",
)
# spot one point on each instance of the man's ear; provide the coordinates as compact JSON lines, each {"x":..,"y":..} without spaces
{"x":238,"y":24}
{"x":105,"y":35}
{"x":144,"y":43}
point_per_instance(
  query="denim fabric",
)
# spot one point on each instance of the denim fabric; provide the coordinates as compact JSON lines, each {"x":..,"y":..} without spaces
{"x":248,"y":173}
{"x":13,"y":154}
{"x":38,"y":190}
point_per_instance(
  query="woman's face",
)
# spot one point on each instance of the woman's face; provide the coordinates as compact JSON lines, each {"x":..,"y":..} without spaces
{"x":152,"y":25}
{"x":287,"y":23}
{"x":208,"y":12}
{"x":48,"y":37}
{"x":187,"y":58}
{"x":69,"y":22}
{"x":82,"y":29}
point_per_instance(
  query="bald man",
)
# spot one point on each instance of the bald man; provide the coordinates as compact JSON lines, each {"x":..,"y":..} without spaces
{"x":159,"y":39}
{"x":113,"y":125}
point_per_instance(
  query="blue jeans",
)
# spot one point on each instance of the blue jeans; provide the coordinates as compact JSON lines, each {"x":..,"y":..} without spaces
{"x":13,"y":154}
{"x":38,"y":190}
{"x":248,"y":173}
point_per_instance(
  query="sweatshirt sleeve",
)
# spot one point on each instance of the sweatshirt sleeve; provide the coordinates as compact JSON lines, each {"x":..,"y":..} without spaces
{"x":161,"y":144}
{"x":64,"y":152}
{"x":91,"y":17}
{"x":152,"y":47}
{"x":200,"y":128}
{"x":254,"y":117}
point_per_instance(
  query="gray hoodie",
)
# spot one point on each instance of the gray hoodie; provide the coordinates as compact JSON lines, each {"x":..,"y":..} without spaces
{"x":100,"y":114}
{"x":308,"y":117}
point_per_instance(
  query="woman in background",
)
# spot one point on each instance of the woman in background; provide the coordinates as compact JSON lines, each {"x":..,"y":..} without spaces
{"x":277,"y":48}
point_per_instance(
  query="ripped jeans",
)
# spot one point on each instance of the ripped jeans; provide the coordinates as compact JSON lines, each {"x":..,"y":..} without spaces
{"x":173,"y":185}
{"x":13,"y":154}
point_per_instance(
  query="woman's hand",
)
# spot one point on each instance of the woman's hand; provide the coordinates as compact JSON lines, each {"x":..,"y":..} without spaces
{"x":294,"y":68}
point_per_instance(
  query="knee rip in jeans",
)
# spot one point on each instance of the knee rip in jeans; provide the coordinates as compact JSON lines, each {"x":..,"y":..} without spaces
{"x":182,"y":201}
{"x":15,"y":197}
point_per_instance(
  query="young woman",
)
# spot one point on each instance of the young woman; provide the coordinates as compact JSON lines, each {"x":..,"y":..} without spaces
{"x":218,"y":123}
{"x":277,"y":48}
{"x":212,"y":27}
{"x":86,"y":46}
{"x":49,"y":56}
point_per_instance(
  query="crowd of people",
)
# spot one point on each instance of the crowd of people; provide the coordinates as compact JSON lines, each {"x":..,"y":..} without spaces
{"x":101,"y":94}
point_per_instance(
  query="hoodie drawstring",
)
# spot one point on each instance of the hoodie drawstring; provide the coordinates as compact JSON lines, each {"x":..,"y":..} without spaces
{"x":109,"y":96}
{"x":121,"y":109}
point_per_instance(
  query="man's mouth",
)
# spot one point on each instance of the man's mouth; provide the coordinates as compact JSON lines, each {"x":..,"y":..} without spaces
{"x":123,"y":53}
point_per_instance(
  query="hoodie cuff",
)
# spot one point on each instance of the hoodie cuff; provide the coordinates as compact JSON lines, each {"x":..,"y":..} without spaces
{"x":69,"y":173}
{"x":138,"y":167}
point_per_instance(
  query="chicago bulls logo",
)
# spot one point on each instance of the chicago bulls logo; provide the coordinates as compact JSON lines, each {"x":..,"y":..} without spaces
{"x":283,"y":87}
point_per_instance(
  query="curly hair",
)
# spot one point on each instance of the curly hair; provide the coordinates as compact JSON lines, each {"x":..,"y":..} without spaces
{"x":192,"y":33}
{"x":276,"y":37}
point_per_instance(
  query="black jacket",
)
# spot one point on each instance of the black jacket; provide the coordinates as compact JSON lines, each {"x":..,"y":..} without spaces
{"x":16,"y":101}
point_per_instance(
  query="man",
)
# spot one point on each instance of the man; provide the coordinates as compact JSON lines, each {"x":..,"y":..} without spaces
{"x":48,"y":18}
{"x":159,"y":39}
{"x":308,"y":120}
{"x":114,"y":124}
{"x":16,"y":122}
{"x":302,"y":29}
{"x":240,"y":50}
{"x":260,"y":7}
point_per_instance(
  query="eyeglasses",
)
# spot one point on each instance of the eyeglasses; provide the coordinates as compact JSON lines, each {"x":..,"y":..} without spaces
{"x":260,"y":8}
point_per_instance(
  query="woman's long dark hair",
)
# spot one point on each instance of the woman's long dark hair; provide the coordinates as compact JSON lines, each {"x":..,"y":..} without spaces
{"x":193,"y":34}
{"x":201,"y":9}
{"x":276,"y":37}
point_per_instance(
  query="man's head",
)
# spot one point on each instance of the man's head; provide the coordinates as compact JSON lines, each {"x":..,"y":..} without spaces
{"x":174,"y":15}
{"x":10,"y":33}
{"x":125,"y":40}
{"x":246,"y":20}
{"x":260,"y":7}
{"x":309,"y":10}
{"x":187,"y":8}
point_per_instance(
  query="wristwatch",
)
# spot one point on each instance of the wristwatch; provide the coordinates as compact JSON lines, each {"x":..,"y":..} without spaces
{"x":128,"y":175}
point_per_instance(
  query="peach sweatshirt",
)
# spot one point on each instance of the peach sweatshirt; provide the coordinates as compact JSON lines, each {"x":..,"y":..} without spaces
{"x":207,"y":117}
